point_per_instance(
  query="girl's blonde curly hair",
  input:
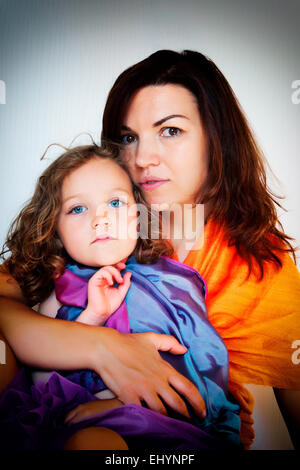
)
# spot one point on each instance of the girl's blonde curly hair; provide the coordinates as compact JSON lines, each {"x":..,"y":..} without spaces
{"x":36,"y":252}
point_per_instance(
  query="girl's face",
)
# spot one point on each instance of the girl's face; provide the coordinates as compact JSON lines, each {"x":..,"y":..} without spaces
{"x":97,"y":223}
{"x":165,"y":145}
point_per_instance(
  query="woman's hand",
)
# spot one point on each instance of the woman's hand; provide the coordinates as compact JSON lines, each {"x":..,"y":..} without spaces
{"x":9,"y":286}
{"x":134,"y":371}
{"x":87,"y":410}
{"x":103,"y":298}
{"x":129,"y":364}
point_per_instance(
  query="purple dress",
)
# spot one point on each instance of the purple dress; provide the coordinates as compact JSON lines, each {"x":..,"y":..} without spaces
{"x":166,"y":297}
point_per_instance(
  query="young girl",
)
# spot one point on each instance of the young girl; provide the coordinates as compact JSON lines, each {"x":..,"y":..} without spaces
{"x":82,"y":217}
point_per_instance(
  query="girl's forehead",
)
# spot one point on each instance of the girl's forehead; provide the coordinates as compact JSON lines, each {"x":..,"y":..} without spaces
{"x":97,"y":173}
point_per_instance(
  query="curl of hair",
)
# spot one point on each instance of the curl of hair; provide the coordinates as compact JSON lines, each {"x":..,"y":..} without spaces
{"x":36,"y":252}
{"x":236,"y":187}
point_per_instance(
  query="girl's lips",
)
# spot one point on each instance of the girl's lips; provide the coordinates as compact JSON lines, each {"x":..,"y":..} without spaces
{"x":105,"y":238}
{"x":149,"y":185}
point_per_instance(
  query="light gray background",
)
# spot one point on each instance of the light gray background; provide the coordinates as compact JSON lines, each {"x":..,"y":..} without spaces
{"x":59,"y":58}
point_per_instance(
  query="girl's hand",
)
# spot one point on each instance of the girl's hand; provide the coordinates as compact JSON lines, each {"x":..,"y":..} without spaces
{"x":87,"y":410}
{"x":103,"y":298}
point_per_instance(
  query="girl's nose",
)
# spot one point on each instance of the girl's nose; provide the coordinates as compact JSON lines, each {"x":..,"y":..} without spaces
{"x":100,"y":221}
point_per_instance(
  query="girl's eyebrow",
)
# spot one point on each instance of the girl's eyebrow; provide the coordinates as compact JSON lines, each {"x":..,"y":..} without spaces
{"x":81,"y":196}
{"x":158,"y":123}
{"x":74,"y":196}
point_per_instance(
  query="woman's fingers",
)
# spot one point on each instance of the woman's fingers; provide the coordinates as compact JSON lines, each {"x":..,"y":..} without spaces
{"x":71,"y":415}
{"x":178,"y":381}
{"x":190,"y":392}
{"x":155,"y":404}
{"x":170,"y":398}
{"x":138,"y":373}
{"x":166,"y":343}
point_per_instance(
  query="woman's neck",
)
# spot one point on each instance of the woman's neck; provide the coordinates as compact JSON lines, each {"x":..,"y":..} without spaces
{"x":184,"y":226}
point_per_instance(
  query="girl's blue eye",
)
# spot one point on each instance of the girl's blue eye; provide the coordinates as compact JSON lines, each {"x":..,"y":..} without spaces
{"x":128,"y":139}
{"x":116,"y":203}
{"x":78,"y":210}
{"x":171,"y":132}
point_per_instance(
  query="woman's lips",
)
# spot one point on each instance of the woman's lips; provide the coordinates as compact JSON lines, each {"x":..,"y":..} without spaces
{"x":149,"y":185}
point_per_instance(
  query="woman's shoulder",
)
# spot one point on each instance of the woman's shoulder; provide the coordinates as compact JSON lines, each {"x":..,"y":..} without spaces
{"x":217,"y":253}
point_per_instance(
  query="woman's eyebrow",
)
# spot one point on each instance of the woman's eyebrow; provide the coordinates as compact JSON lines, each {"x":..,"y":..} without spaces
{"x":171,"y":116}
{"x":158,"y":123}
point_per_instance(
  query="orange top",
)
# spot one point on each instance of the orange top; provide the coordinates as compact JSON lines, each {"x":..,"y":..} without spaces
{"x":258,"y":321}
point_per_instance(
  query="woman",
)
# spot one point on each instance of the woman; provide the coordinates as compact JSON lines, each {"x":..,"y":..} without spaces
{"x":186,"y":141}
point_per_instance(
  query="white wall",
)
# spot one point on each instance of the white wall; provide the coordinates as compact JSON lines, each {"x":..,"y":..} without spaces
{"x":58,"y":60}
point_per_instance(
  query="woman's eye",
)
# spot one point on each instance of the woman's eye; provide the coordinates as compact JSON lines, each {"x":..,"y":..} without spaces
{"x":128,"y":139}
{"x":170,"y":132}
{"x":77,"y":210}
{"x":116,"y":203}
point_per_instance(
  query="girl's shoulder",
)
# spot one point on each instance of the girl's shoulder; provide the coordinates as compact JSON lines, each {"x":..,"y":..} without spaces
{"x":50,"y":306}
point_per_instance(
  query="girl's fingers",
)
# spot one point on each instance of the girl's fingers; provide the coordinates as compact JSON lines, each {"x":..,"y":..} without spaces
{"x":120,"y":265}
{"x":123,"y":288}
{"x":115,"y":273}
{"x":102,"y":274}
{"x":105,"y":275}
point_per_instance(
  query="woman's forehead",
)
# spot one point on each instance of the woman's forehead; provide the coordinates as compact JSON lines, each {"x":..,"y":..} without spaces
{"x":153,"y":102}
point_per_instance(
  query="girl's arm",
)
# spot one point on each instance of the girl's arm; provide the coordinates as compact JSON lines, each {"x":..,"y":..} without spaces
{"x":129,"y":364}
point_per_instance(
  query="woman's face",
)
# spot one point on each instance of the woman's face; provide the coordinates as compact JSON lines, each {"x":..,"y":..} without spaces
{"x":165,"y":145}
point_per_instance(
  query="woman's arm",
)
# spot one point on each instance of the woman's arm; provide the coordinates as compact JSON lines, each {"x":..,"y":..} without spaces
{"x":129,"y":364}
{"x":289,"y":404}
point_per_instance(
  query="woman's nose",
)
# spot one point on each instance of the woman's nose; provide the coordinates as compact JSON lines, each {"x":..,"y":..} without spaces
{"x":147,"y":154}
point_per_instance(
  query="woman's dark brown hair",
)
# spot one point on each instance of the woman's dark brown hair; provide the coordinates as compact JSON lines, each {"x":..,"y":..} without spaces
{"x":36,"y":252}
{"x":236,"y":187}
